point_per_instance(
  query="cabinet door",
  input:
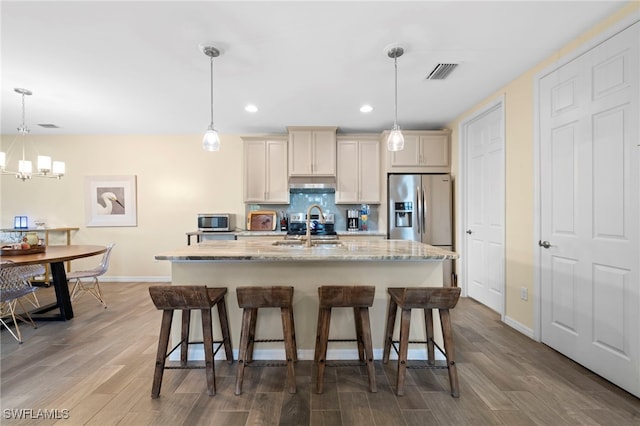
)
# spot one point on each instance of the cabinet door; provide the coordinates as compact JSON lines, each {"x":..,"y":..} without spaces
{"x":300,"y":152}
{"x":410,"y":155}
{"x":277,"y":186}
{"x":324,"y":153}
{"x":254,"y":171}
{"x":434,"y":151}
{"x":348,"y":173}
{"x":369,"y":172}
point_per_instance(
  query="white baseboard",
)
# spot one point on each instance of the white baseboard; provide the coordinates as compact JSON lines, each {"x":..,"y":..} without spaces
{"x":519,"y":327}
{"x":120,"y":279}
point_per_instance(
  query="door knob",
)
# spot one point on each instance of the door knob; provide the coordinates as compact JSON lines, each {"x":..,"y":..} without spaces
{"x":545,"y":244}
{"x":469,"y":231}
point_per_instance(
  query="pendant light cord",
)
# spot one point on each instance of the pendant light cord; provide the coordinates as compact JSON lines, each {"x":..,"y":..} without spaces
{"x":211,"y":92}
{"x":395,"y":106}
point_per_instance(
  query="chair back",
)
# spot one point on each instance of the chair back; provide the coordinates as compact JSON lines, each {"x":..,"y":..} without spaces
{"x":12,"y":285}
{"x":104,"y":263}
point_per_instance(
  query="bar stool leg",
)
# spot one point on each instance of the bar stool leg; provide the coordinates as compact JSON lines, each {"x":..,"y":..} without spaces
{"x":243,"y":349}
{"x":207,"y":340}
{"x":428,"y":322}
{"x":388,"y":334}
{"x":163,"y":344}
{"x":364,"y":324}
{"x":358,"y":323}
{"x":316,"y":356}
{"x":450,"y":352}
{"x":252,"y":333}
{"x":184,"y":335}
{"x":405,"y":321}
{"x":289,"y":346}
{"x":324,"y":322}
{"x":293,"y":335}
{"x":224,"y":325}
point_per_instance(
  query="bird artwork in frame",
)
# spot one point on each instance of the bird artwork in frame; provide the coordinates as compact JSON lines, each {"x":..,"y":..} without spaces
{"x":110,"y":200}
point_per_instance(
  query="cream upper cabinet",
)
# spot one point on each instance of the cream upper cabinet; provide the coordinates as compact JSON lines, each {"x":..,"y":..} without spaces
{"x":424,"y":151}
{"x":358,"y":176}
{"x":312,"y":151}
{"x":265,"y":170}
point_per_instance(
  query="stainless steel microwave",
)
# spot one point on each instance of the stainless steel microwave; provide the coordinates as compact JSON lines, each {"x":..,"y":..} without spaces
{"x":215,"y":222}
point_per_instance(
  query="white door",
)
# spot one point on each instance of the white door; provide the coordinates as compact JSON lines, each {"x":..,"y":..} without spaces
{"x":590,"y":216}
{"x":485,"y":188}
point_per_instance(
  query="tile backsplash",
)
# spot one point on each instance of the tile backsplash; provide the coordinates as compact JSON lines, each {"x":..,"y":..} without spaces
{"x":300,"y":202}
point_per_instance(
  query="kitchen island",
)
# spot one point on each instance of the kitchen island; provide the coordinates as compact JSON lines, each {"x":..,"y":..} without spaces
{"x":381,"y":263}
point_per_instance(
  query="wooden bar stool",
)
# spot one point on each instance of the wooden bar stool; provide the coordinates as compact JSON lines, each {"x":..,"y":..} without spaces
{"x":360,"y":298}
{"x":427,"y":298}
{"x":250,"y":299}
{"x":188,"y":298}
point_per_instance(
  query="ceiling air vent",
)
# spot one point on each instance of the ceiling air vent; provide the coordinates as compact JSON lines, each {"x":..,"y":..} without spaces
{"x":441,"y":71}
{"x":49,"y":126}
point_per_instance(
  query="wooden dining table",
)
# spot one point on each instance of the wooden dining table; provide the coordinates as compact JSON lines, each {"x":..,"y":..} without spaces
{"x":55,"y":256}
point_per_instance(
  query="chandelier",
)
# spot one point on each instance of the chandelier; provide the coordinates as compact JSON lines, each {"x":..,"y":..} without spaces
{"x":395,"y":141}
{"x":211,"y":140}
{"x":46,"y":168}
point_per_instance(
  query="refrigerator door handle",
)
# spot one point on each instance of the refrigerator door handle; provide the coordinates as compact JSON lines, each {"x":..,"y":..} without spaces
{"x":419,"y":208}
{"x":424,"y":214}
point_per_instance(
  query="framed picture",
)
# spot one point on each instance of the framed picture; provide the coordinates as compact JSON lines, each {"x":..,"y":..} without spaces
{"x":110,"y":200}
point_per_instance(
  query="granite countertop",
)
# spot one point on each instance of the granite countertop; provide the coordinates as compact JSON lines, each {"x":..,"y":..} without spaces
{"x":368,"y":250}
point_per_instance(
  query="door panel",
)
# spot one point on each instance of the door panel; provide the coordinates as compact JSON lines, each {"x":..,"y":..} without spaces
{"x":485,"y":268}
{"x":590,"y":186}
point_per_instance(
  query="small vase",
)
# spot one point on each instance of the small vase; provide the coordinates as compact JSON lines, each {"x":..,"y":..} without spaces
{"x":31,"y":238}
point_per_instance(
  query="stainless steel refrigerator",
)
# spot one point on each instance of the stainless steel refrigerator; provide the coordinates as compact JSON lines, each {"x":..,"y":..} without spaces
{"x":420,"y":209}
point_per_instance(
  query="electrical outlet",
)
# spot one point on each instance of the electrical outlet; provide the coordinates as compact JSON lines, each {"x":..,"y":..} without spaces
{"x":524,"y":293}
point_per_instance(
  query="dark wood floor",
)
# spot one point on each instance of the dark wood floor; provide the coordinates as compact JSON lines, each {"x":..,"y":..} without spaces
{"x":99,"y":368}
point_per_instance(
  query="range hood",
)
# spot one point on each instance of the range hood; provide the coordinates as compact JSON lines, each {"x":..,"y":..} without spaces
{"x":312,"y":184}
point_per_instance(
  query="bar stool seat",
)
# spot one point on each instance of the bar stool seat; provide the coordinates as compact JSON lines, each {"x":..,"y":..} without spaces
{"x":360,"y":298}
{"x":428,"y":298}
{"x":186,"y":299}
{"x":250,"y":299}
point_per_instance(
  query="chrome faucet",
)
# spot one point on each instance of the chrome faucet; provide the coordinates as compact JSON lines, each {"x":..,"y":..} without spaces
{"x":308,"y":242}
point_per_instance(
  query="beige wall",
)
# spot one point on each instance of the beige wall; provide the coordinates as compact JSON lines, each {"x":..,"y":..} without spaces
{"x":519,"y":172}
{"x":176,"y":179}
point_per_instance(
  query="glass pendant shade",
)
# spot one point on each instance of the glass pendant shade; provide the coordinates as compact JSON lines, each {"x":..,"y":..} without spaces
{"x":211,"y":140}
{"x":395,"y":141}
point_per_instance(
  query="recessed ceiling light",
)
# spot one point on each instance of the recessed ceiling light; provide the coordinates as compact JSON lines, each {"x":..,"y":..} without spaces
{"x":251,"y":108}
{"x":366,"y":108}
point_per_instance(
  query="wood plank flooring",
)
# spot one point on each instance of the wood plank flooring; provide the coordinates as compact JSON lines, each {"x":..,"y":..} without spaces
{"x":97,"y":369}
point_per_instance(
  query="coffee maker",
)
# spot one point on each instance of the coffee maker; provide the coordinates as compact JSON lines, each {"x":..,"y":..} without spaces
{"x":353,"y":220}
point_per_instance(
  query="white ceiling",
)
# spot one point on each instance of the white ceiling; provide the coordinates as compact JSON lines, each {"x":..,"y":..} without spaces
{"x":121,"y":67}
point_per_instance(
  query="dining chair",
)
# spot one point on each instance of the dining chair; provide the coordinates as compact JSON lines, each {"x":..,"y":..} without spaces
{"x":13,"y":287}
{"x":27,"y":272}
{"x":93,"y":286}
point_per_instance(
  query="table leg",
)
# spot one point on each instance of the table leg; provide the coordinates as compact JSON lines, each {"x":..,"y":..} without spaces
{"x":63,"y":298}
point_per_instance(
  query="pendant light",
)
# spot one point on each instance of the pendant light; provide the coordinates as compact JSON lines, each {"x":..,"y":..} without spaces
{"x":44,"y":165}
{"x":395,"y":141}
{"x":211,"y":140}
